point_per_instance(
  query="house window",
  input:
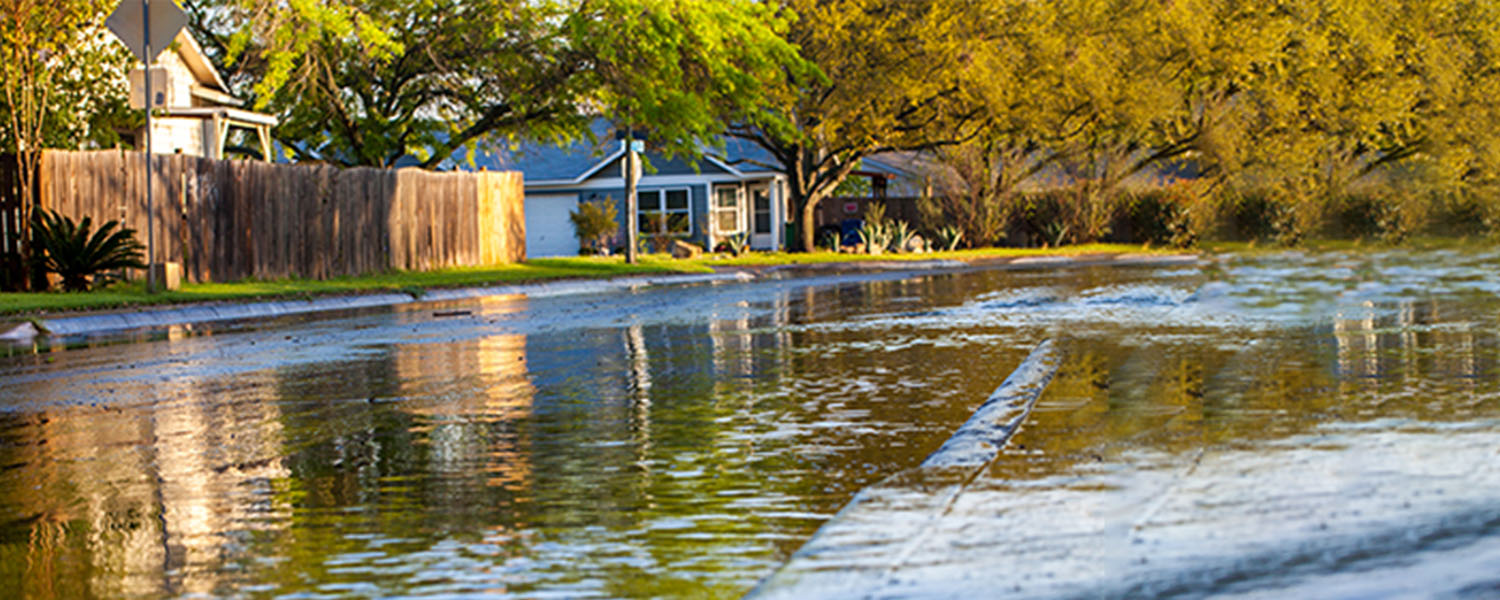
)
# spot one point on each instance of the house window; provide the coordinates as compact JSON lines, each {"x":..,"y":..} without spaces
{"x":727,"y":210}
{"x":664,"y":212}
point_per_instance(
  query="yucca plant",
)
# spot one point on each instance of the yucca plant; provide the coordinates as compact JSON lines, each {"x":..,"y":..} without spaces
{"x":80,"y":254}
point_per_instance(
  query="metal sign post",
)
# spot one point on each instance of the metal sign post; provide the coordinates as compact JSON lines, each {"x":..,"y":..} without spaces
{"x":135,"y":25}
{"x":150,"y":205}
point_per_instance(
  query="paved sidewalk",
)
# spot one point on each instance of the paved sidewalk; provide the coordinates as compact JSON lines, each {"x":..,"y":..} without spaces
{"x":1380,"y":509}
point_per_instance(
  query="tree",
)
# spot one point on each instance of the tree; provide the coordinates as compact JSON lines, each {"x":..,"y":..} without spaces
{"x":55,"y":71}
{"x":896,"y":75}
{"x":373,"y":82}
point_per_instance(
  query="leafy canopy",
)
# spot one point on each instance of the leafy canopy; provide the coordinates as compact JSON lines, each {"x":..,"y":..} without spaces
{"x":374,"y":82}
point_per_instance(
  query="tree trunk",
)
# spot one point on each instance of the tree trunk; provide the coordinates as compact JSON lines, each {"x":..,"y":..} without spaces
{"x":26,"y":162}
{"x":806,"y":220}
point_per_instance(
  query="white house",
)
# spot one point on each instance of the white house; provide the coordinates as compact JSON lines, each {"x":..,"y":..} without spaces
{"x":194,"y":113}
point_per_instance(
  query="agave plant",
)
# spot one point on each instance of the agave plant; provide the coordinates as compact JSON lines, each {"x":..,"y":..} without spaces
{"x":948,"y":237}
{"x":79,"y":254}
{"x":737,"y":244}
{"x":900,"y":236}
{"x":875,"y":236}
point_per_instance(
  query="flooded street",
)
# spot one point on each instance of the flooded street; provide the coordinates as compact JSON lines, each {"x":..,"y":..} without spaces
{"x":1314,"y":424}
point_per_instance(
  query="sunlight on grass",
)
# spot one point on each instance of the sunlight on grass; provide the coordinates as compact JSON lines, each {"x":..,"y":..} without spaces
{"x":133,"y":293}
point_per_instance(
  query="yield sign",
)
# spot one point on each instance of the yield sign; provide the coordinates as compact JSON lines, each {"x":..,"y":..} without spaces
{"x":129,"y":21}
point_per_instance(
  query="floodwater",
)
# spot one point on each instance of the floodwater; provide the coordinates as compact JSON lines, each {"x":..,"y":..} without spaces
{"x":685,"y":442}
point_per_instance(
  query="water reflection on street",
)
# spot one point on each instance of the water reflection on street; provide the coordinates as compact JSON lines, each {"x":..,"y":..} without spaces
{"x":682,"y":442}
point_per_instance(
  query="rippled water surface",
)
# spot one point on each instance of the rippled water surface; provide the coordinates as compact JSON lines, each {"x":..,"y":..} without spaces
{"x":685,"y":442}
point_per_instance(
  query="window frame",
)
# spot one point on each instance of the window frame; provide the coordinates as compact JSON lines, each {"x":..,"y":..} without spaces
{"x":661,"y":203}
{"x":714,"y":210}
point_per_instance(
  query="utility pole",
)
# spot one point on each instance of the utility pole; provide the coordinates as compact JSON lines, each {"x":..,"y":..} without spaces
{"x":632,"y":179}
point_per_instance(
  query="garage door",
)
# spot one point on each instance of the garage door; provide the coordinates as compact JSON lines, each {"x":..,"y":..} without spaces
{"x":548,"y":230}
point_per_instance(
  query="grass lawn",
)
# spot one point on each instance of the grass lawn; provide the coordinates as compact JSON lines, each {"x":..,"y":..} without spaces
{"x":133,"y":293}
{"x":756,"y":259}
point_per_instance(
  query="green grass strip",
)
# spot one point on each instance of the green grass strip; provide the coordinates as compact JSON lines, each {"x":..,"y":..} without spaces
{"x":131,"y":294}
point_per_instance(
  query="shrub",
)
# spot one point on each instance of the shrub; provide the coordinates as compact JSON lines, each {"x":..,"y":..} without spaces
{"x":594,"y":223}
{"x":1461,"y":213}
{"x":1160,"y":217}
{"x":1045,"y":218}
{"x":82,"y":256}
{"x":1260,"y":215}
{"x":1368,"y":216}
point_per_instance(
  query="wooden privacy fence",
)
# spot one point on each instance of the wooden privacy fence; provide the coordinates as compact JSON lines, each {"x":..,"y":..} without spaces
{"x":10,"y":222}
{"x":227,"y":220}
{"x":834,"y":211}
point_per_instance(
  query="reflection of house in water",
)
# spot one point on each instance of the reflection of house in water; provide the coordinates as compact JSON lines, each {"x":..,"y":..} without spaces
{"x":143,"y":501}
{"x":1401,"y":343}
{"x":468,"y":395}
{"x":741,"y":336}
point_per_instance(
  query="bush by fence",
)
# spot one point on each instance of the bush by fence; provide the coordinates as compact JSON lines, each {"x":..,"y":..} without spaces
{"x":233,"y":220}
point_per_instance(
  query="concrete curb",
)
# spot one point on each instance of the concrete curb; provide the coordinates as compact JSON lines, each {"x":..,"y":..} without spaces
{"x":17,"y":332}
{"x":858,"y":551}
{"x":210,"y":313}
{"x":980,"y":439}
{"x":95,"y":323}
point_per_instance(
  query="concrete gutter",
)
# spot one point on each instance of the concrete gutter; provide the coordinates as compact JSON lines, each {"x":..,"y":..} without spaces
{"x":115,"y":321}
{"x":150,"y":317}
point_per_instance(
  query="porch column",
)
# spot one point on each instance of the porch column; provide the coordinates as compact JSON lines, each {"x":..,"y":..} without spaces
{"x":778,"y":223}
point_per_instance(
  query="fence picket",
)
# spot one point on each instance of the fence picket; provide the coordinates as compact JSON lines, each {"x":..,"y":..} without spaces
{"x":231,"y":220}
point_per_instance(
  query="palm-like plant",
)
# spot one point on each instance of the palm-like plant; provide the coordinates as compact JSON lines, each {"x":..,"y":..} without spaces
{"x":75,"y":252}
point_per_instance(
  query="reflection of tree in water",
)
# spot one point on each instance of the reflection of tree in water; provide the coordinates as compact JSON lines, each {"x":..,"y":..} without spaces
{"x":1203,"y":390}
{"x":140,"y":500}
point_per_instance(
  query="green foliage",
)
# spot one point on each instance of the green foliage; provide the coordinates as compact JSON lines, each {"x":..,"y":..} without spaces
{"x":975,"y":185}
{"x":80,"y":254}
{"x":1161,"y":217}
{"x":370,"y":82}
{"x":594,"y":223}
{"x":891,"y":75}
{"x":854,"y":187}
{"x":684,"y":69}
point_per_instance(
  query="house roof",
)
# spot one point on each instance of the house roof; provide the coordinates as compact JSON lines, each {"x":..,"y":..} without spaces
{"x":547,"y":164}
{"x":197,"y":62}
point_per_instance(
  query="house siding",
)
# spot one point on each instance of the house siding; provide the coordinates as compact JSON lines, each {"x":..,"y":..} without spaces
{"x":697,"y":203}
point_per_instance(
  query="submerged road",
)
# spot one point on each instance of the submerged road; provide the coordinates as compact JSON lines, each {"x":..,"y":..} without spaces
{"x":1295,"y":424}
